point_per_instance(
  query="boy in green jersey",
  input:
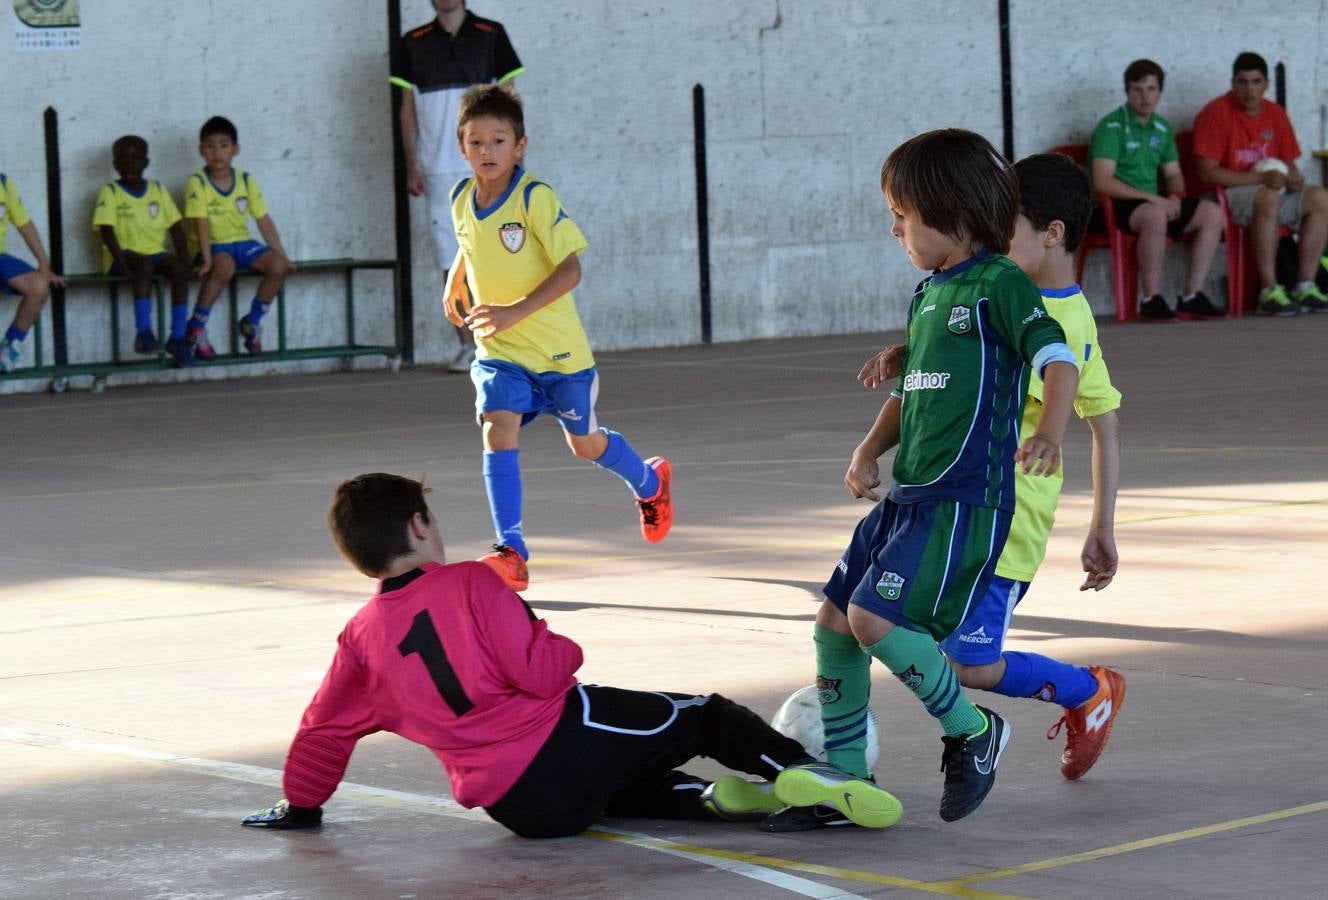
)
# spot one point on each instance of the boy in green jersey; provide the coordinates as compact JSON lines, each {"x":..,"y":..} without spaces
{"x":976,"y":330}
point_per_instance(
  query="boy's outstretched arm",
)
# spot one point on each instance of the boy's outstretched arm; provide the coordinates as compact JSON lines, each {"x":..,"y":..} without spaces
{"x":1099,"y":554}
{"x":268,"y":229}
{"x":864,"y":469}
{"x":34,"y":242}
{"x":487,"y":320}
{"x":1040,"y":454}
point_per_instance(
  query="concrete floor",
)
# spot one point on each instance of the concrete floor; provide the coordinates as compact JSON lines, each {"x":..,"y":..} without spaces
{"x":171,"y":597}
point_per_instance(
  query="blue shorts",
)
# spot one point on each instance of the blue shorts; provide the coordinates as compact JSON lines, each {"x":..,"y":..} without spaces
{"x":245,"y":253}
{"x":923,"y":565}
{"x":501,"y":385}
{"x":980,"y":637}
{"x":11,"y":267}
{"x":154,"y":258}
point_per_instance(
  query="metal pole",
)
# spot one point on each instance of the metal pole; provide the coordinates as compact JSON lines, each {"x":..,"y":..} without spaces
{"x":702,"y":208}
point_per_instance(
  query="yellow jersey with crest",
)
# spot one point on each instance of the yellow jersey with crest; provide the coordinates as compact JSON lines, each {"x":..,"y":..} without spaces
{"x":511,"y":247}
{"x":140,"y":221}
{"x":226,"y":211}
{"x":11,"y":209}
{"x":1036,"y":496}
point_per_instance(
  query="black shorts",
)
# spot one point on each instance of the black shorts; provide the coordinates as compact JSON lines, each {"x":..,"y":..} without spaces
{"x":1188,"y":206}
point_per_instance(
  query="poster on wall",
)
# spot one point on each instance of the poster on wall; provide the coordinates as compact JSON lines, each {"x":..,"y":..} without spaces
{"x":41,"y":25}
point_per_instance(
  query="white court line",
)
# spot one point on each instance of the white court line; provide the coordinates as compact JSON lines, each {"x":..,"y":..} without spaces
{"x":438,"y":806}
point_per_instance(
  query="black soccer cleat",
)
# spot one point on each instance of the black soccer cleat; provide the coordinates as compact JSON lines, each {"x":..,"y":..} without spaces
{"x":804,"y":818}
{"x":969,"y":764}
{"x":285,"y":816}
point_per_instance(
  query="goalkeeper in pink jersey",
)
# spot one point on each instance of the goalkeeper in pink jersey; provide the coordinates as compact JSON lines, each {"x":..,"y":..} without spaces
{"x":451,"y":658}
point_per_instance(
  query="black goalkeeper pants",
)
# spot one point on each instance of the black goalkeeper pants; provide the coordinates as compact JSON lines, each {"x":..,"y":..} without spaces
{"x":617,"y":752}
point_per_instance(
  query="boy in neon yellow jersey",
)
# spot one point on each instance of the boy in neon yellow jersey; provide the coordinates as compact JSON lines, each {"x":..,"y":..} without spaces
{"x":17,"y":278}
{"x":520,"y":249}
{"x":219,"y":198}
{"x":133,"y":215}
{"x":1055,"y":200}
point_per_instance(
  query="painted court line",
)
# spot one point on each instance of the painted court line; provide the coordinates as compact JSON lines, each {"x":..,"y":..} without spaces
{"x":439,"y":806}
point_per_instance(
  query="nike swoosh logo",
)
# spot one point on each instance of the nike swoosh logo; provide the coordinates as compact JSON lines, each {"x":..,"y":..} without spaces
{"x":983,"y":763}
{"x":848,"y":803}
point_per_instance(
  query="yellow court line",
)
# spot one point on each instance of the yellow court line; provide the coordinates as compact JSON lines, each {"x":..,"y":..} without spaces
{"x":1201,"y":513}
{"x":949,"y":889}
{"x":1144,"y":844}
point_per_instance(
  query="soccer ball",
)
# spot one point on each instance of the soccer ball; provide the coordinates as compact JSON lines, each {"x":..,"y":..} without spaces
{"x":799,"y":717}
{"x":1272,"y":164}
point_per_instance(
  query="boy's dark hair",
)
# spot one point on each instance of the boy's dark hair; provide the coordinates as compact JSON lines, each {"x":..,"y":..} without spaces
{"x":1249,"y":62}
{"x":369,"y":517}
{"x":494,"y":101}
{"x":219,"y":125}
{"x":1052,"y":186}
{"x":957,"y":183}
{"x":1141,"y":69}
{"x":129,"y":140}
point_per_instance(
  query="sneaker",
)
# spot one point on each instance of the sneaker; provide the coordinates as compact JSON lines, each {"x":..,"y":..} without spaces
{"x":804,"y":818}
{"x":146,"y":342}
{"x":1273,"y":301}
{"x":181,"y":351}
{"x":1311,"y":299}
{"x":1087,"y":727}
{"x":250,"y":333}
{"x":509,"y":565}
{"x":821,"y":784}
{"x":1198,"y":307}
{"x":657,"y":512}
{"x":464,"y":357}
{"x":735,"y":799}
{"x":8,"y":356}
{"x":969,"y":764}
{"x":198,"y":339}
{"x":1155,"y":309}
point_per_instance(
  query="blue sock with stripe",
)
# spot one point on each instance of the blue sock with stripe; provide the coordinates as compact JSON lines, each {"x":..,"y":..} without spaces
{"x":843,"y":681}
{"x":15,"y":335}
{"x":199,"y":319}
{"x":179,"y":316}
{"x":1046,"y":679}
{"x":143,"y":314}
{"x":257,"y":309}
{"x":918,"y":663}
{"x":502,"y":479}
{"x":620,"y":459}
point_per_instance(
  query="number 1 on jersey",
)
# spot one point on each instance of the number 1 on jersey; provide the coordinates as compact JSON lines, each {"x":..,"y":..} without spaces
{"x":423,"y":639}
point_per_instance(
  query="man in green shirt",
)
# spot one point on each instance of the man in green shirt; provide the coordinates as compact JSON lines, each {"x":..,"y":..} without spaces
{"x":1132,"y":150}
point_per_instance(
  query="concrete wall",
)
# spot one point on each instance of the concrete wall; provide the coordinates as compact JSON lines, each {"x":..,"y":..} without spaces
{"x":804,"y":99}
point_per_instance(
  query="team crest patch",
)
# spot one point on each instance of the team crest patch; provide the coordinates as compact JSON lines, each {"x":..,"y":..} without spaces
{"x":153,"y":208}
{"x":1047,"y":694}
{"x":910,"y":678}
{"x":513,"y":235}
{"x":891,"y":586}
{"x":827,"y":689}
{"x":960,"y":320}
{"x":242,"y":204}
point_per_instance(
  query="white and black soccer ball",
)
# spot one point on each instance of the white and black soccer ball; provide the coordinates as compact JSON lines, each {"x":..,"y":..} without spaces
{"x":799,"y":717}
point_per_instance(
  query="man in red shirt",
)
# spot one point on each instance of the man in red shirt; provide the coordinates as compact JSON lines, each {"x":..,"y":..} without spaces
{"x":451,"y":658}
{"x":1236,"y":139}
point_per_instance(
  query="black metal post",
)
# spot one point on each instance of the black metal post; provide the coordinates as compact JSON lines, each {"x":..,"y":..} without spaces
{"x":55,"y":241}
{"x":1279,"y":85}
{"x":1007,"y":90}
{"x":702,"y":208}
{"x":400,"y":198}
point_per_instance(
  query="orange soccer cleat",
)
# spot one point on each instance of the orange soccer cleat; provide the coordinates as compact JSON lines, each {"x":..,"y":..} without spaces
{"x":509,"y":565}
{"x":1088,"y":727}
{"x":657,"y":512}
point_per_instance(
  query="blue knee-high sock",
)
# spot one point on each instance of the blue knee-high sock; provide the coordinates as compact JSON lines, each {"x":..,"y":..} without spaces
{"x":502,"y":479}
{"x":199,"y":319}
{"x":1047,"y":679}
{"x":143,"y":313}
{"x":179,"y":316}
{"x":620,"y":459}
{"x":257,"y":309}
{"x":15,"y":335}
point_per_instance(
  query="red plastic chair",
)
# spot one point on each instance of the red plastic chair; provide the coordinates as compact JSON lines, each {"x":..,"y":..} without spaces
{"x":1124,"y":268}
{"x":1242,"y":273}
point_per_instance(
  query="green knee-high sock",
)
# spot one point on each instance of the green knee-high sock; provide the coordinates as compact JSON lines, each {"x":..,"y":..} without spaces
{"x":919,"y":664}
{"x":843,"y":681}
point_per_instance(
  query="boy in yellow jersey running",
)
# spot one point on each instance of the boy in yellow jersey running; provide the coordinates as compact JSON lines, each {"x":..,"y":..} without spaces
{"x":218,"y":198}
{"x":519,"y":249}
{"x":17,"y":278}
{"x":133,"y":215}
{"x":1055,"y":199}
